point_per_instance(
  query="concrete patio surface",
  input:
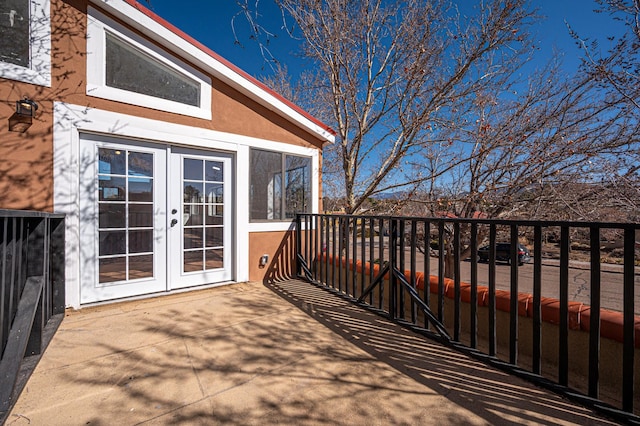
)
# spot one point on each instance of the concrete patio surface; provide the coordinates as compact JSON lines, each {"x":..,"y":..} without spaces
{"x":259,"y":354}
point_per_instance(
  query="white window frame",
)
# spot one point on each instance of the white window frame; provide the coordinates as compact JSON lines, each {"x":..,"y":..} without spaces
{"x":97,"y":26}
{"x":39,"y":70}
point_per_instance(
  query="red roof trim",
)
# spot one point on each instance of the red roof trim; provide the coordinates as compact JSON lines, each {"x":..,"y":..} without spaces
{"x":228,"y":64}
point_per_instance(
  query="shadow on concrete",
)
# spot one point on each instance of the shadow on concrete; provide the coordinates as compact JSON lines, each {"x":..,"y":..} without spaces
{"x":491,"y":394}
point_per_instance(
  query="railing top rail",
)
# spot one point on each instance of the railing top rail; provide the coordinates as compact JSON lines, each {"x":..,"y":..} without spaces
{"x":30,"y":213}
{"x":543,"y":223}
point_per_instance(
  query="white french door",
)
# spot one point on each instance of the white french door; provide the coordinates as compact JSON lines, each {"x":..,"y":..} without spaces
{"x":199,"y":218}
{"x":152,"y":218}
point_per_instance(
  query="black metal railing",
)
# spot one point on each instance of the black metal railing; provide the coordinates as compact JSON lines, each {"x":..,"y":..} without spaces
{"x":32,"y":296}
{"x":532,"y":320}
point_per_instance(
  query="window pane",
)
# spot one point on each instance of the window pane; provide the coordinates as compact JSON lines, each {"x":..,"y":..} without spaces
{"x":214,"y":259}
{"x":112,"y":215}
{"x":140,"y":164}
{"x":112,"y":242}
{"x":192,"y":169}
{"x":213,"y":237}
{"x":193,"y":238}
{"x":214,"y":193}
{"x":128,"y":68}
{"x":111,"y":161}
{"x":111,"y":188}
{"x":140,"y":267}
{"x":214,"y":215}
{"x":14,"y":32}
{"x":193,"y":192}
{"x":140,"y":215}
{"x":193,"y":261}
{"x":298,"y":185}
{"x":140,"y":189}
{"x":192,"y":215}
{"x":141,"y":241}
{"x":214,"y":171}
{"x":266,"y":185}
{"x":113,"y":269}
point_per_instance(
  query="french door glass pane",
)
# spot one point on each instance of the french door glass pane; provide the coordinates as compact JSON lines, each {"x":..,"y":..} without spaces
{"x":193,"y":261}
{"x":140,"y":215}
{"x":214,"y":214}
{"x":112,"y":215}
{"x":214,"y":259}
{"x":141,"y":241}
{"x":140,"y":267}
{"x":111,"y":161}
{"x":113,"y":269}
{"x":192,"y":169}
{"x":214,"y":193}
{"x":192,"y":238}
{"x":193,"y":192}
{"x":113,"y":242}
{"x":111,"y":188}
{"x":140,"y":164}
{"x":213,"y":236}
{"x":214,"y":171}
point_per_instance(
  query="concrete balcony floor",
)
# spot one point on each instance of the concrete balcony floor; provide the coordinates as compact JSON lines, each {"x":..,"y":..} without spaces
{"x":259,"y":354}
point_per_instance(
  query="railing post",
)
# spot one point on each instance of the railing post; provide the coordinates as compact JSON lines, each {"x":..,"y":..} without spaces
{"x":37,"y":261}
{"x":537,"y":300}
{"x":492,"y":290}
{"x":400,"y":260}
{"x":563,"y":344}
{"x":441,"y":267}
{"x":628,"y":320}
{"x":298,"y":244}
{"x":474,"y":286}
{"x":393,"y":285}
{"x":456,"y":281}
{"x":427,"y":267}
{"x":594,"y":325}
{"x":513,"y":294}
{"x":413,"y":271}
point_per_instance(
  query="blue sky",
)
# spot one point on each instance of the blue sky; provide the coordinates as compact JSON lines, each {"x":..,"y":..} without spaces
{"x":210,"y":23}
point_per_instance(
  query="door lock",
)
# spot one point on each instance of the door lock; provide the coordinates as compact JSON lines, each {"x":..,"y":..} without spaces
{"x":174,"y":222}
{"x":174,"y":211}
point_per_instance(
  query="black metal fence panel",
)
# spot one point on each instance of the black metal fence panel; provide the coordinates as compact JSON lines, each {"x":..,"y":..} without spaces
{"x":533,"y":297}
{"x":32,"y":289}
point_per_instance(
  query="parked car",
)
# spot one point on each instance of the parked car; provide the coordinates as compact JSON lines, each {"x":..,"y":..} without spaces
{"x":503,"y":253}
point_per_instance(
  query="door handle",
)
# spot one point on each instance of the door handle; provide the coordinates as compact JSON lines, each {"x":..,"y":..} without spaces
{"x":174,"y":222}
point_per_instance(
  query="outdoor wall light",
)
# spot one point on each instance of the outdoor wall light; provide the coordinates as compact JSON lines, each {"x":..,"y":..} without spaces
{"x":22,"y":119}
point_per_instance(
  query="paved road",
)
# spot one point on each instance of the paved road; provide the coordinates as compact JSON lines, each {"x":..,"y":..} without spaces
{"x":579,"y":279}
{"x":611,"y":282}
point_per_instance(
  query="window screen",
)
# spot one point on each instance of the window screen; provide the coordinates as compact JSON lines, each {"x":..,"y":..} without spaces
{"x":280,"y":185}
